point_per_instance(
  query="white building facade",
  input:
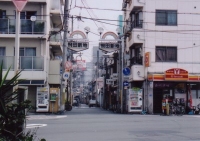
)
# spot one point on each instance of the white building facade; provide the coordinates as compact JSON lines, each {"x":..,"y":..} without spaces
{"x":40,"y":44}
{"x":163,"y":43}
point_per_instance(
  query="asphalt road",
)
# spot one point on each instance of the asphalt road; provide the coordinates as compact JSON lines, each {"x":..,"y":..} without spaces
{"x":95,"y":124}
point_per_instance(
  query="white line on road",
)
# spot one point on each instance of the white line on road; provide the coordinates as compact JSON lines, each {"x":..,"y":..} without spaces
{"x":35,"y":125}
{"x":34,"y":117}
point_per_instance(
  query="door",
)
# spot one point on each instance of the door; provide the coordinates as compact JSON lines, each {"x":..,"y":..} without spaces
{"x":157,"y":100}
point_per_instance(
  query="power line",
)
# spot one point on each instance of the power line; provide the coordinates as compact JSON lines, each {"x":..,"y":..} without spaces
{"x":132,"y":10}
{"x":89,"y":13}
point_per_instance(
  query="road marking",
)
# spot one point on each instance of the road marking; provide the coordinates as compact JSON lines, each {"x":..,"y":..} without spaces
{"x":84,"y":107}
{"x":35,"y":117}
{"x":35,"y":125}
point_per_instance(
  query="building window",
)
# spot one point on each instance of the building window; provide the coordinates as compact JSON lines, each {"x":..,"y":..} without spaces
{"x":2,"y":51}
{"x":166,"y":17}
{"x":27,"y":51}
{"x":2,"y":14}
{"x":166,"y":54}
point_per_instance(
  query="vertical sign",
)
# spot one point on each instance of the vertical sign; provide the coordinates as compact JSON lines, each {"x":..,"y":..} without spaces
{"x":147,"y":59}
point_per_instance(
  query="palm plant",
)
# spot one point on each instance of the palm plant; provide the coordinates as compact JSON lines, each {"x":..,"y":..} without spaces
{"x":12,"y":109}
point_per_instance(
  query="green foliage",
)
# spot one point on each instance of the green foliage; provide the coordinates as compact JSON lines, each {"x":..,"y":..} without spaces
{"x":13,"y":114}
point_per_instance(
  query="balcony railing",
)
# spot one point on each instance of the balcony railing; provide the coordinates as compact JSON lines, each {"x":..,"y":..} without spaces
{"x":136,"y":60}
{"x":56,"y":38}
{"x":137,"y":24}
{"x":26,"y":63}
{"x":134,"y":24}
{"x":7,"y":26}
{"x":8,"y":62}
{"x":31,"y":63}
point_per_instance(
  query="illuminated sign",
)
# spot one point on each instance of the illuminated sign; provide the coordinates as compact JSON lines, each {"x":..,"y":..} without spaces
{"x":176,"y":74}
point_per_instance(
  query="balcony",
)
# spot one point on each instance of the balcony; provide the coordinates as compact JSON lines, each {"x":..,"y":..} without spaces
{"x":56,"y":13}
{"x":26,"y":63}
{"x":56,"y":43}
{"x":137,"y":60}
{"x":54,"y":72}
{"x":7,"y":26}
{"x":131,"y":25}
{"x":31,"y":63}
{"x":32,"y":67}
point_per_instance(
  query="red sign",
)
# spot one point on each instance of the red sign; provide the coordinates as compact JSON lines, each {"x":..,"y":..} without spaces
{"x":81,"y":64}
{"x":68,"y":65}
{"x":176,"y":74}
{"x":19,"y":4}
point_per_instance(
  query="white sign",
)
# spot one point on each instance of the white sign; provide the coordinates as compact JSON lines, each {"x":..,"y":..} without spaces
{"x":33,"y":18}
{"x":115,"y":75}
{"x":66,"y":75}
{"x":110,"y":81}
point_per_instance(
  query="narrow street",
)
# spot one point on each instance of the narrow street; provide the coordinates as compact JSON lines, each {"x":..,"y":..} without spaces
{"x":95,"y":124}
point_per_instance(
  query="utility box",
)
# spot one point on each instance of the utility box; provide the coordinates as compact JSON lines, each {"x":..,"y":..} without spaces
{"x":137,"y":73}
{"x":54,"y":100}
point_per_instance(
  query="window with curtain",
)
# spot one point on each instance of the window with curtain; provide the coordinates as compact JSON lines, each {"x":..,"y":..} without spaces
{"x":166,"y":17}
{"x":166,"y":54}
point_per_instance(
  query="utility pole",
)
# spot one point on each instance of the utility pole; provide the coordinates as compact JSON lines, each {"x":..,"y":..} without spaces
{"x":64,"y":55}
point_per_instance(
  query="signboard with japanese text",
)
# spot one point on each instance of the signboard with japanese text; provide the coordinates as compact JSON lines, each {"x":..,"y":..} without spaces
{"x":78,"y":45}
{"x":176,"y":74}
{"x":110,"y":81}
{"x":147,"y":59}
{"x":81,"y":65}
{"x":109,"y":46}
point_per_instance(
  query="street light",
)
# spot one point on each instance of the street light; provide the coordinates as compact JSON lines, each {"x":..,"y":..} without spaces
{"x":118,"y":31}
{"x":100,"y":30}
{"x":87,"y":30}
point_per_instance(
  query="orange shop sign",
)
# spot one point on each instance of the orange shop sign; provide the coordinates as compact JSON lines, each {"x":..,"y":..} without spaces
{"x":176,"y":74}
{"x":147,"y":59}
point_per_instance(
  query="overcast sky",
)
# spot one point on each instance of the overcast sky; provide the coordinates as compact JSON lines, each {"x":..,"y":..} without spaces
{"x":97,"y":14}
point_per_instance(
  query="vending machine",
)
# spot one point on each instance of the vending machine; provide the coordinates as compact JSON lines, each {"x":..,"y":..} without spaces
{"x":54,"y":100}
{"x":134,"y":100}
{"x":42,"y":102}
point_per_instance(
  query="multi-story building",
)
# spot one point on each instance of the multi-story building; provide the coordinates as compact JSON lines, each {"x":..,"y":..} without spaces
{"x":163,"y":44}
{"x":40,"y":46}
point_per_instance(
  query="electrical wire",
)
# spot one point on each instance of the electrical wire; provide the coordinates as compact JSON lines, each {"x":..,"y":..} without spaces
{"x":94,"y":14}
{"x":89,"y":13}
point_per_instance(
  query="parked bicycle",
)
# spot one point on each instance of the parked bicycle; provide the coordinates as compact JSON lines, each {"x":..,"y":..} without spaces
{"x":177,"y":107}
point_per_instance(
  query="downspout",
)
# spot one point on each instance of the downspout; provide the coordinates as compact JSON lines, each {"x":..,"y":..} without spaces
{"x":145,"y":69}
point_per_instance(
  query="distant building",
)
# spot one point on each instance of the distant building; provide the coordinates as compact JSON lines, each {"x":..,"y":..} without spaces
{"x":120,"y":23}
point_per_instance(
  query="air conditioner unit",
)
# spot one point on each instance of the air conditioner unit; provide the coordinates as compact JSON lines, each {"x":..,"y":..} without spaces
{"x":127,"y":1}
{"x":137,"y":73}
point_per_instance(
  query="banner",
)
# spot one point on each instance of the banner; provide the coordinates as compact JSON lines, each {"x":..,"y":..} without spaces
{"x":81,"y":64}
